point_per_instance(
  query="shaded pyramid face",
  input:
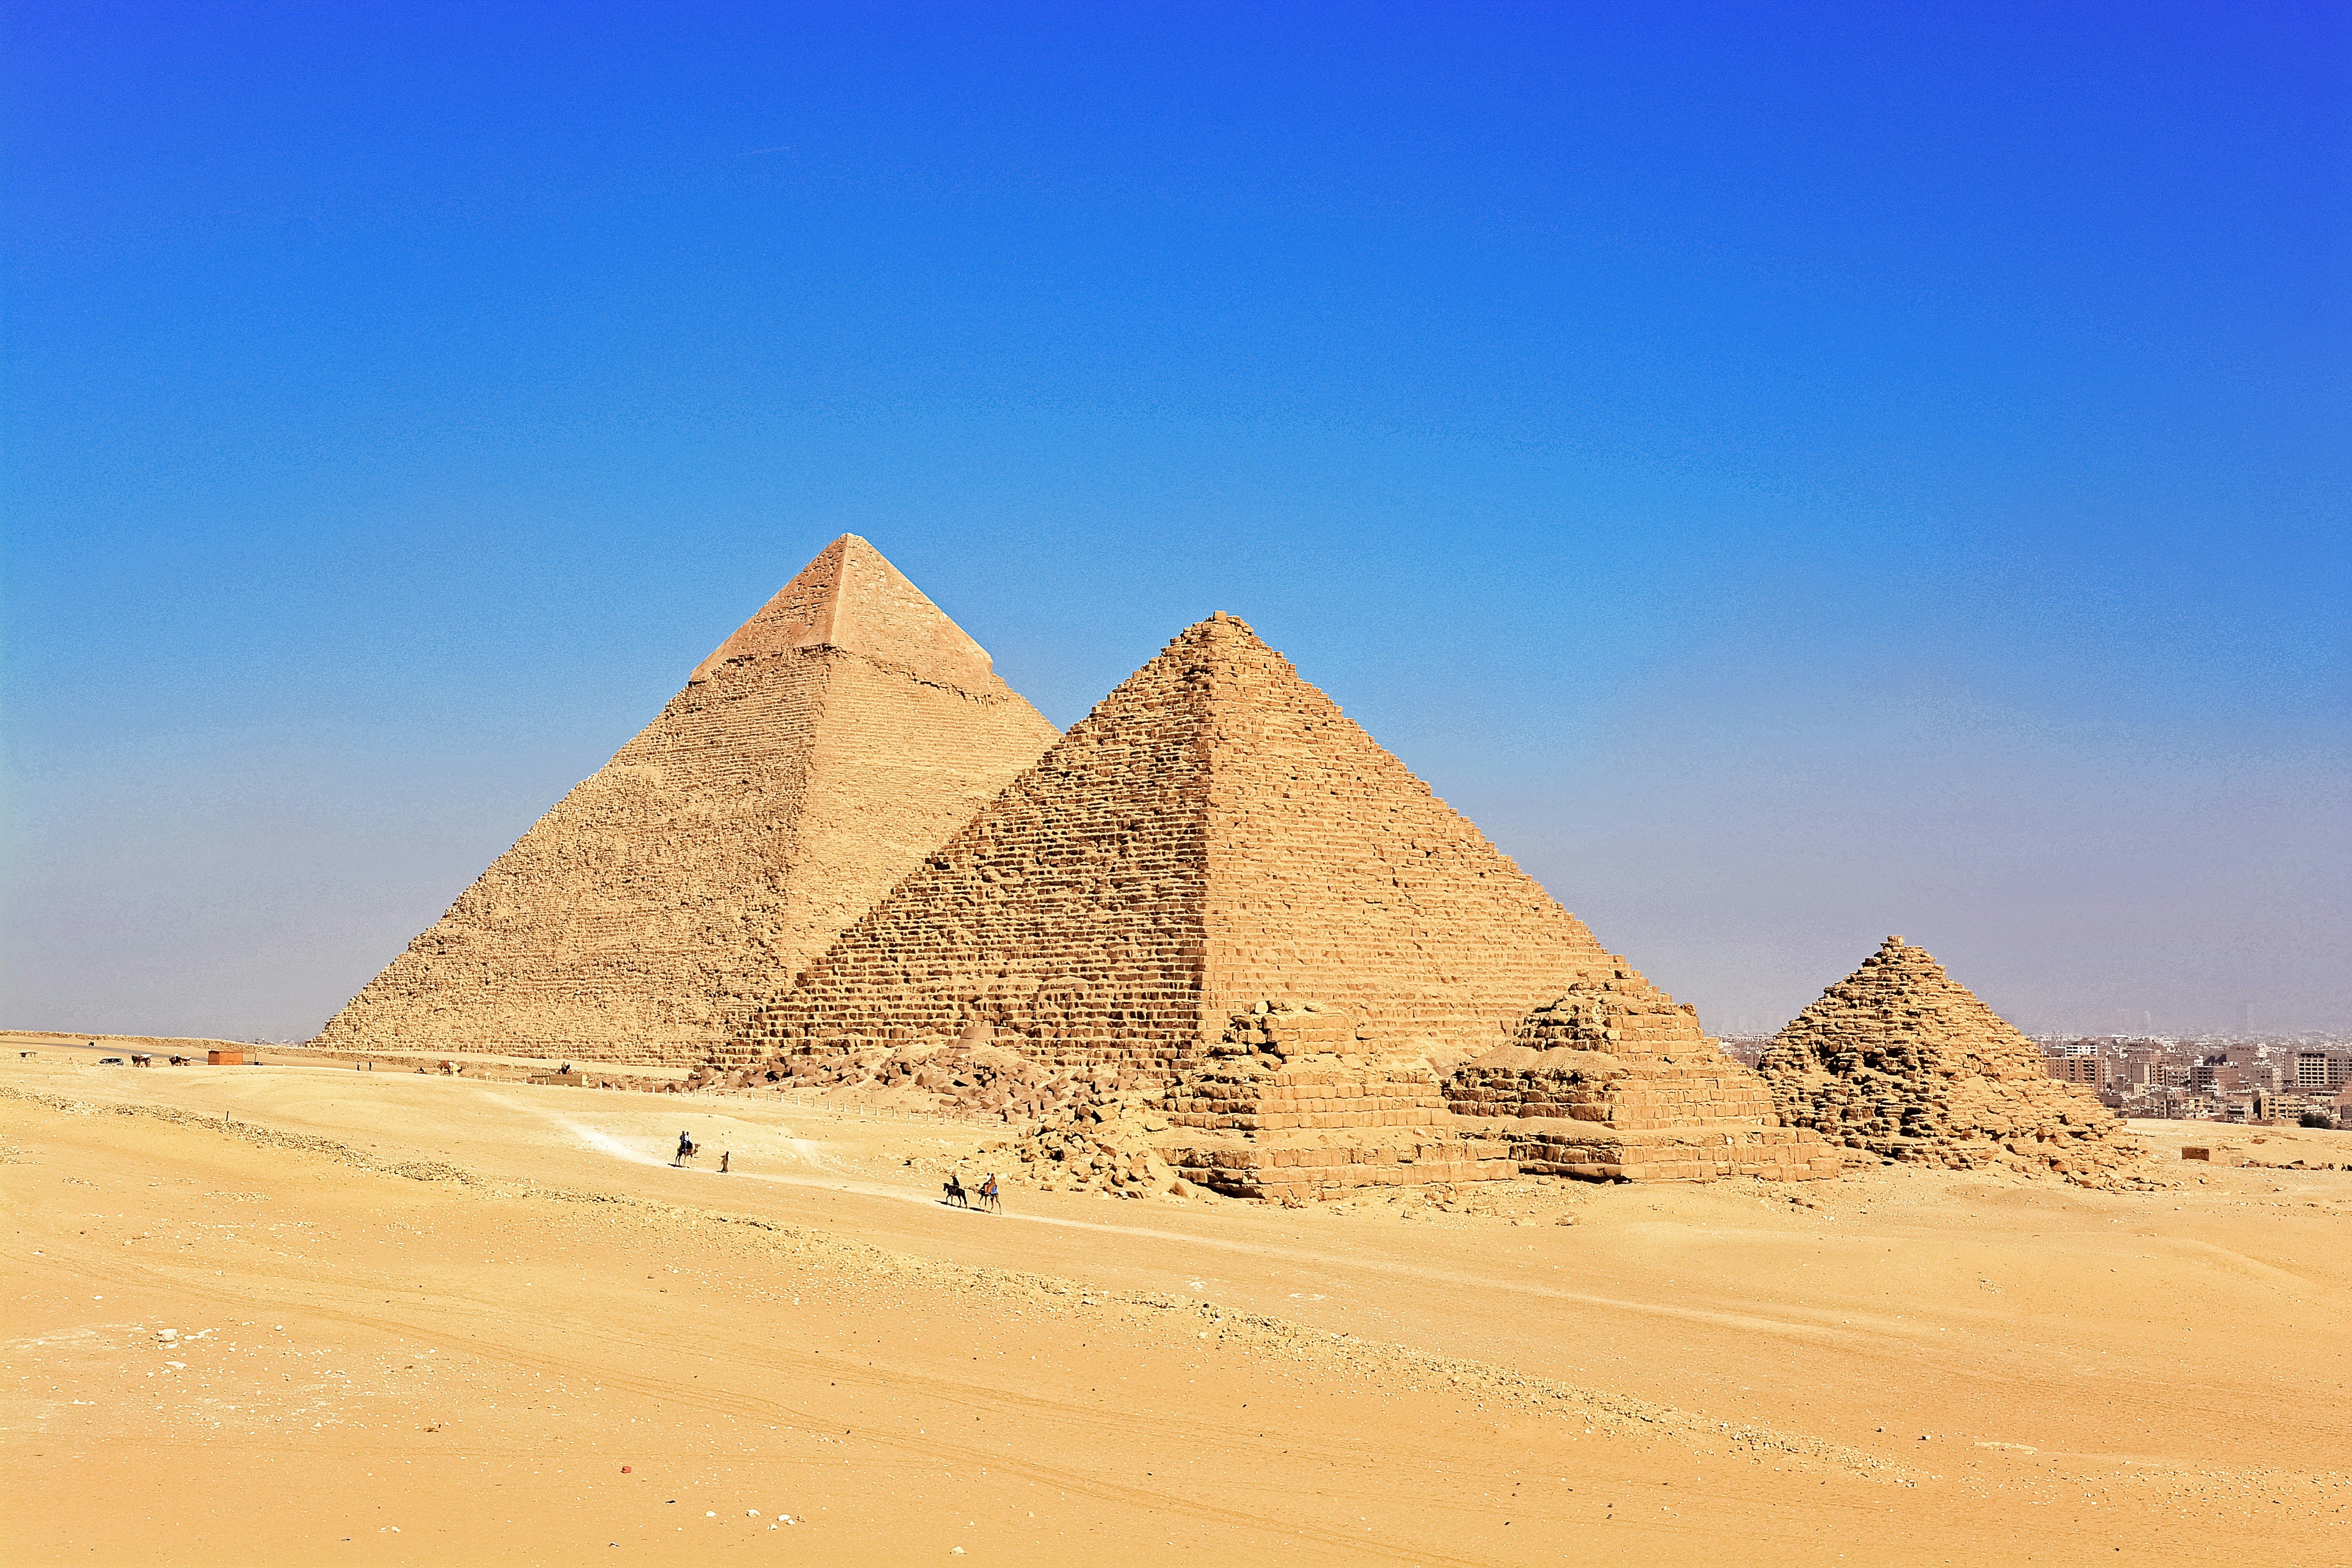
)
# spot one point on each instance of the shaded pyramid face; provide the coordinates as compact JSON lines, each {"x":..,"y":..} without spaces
{"x":1900,"y":1060}
{"x":1216,"y":833}
{"x":808,"y":765}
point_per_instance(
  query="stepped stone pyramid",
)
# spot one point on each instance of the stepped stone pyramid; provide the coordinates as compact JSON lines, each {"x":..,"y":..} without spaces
{"x":1293,"y":1103}
{"x":1217,"y":843}
{"x":841,"y":731}
{"x":1613,"y":1080}
{"x":1901,"y":1061}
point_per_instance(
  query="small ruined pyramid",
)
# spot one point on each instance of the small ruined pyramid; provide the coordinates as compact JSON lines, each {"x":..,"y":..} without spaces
{"x":1217,"y":843}
{"x":843,"y":731}
{"x":1294,"y":1103}
{"x":1901,"y":1061}
{"x":1612,"y":1080}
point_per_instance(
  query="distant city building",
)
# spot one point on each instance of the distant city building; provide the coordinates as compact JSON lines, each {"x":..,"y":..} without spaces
{"x":2072,"y":1068}
{"x":1744,"y":1048}
{"x":2248,"y":1107}
{"x":2322,"y":1070}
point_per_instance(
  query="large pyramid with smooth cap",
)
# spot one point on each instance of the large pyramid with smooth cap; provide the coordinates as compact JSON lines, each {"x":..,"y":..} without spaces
{"x":1900,"y":1061}
{"x":841,"y":731}
{"x":1216,"y":843}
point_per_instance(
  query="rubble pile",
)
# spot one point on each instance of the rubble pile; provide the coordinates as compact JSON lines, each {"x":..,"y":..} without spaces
{"x":965,"y":1078}
{"x":1110,"y":1144}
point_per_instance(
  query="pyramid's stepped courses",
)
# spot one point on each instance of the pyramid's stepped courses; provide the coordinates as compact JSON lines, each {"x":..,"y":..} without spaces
{"x":1613,"y":1080}
{"x":1899,"y":1060}
{"x":841,"y":731}
{"x":1289,"y":1105}
{"x":1214,"y":833}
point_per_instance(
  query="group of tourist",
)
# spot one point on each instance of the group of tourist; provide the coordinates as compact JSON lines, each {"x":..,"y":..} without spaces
{"x":988,"y":1194}
{"x":962,"y":1196}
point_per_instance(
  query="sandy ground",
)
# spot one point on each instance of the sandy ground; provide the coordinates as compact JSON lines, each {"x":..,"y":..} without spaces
{"x":42,"y":1042}
{"x":424,"y":1319}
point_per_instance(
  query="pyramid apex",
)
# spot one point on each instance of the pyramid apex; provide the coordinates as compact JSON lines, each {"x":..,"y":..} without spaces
{"x":1219,"y":621}
{"x":850,"y":597}
{"x":858,"y":544}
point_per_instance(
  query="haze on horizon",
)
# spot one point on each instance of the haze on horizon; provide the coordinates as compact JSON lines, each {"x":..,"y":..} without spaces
{"x":1787,"y":479}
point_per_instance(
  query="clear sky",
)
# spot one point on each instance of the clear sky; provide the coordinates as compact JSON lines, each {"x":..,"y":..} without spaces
{"x":1790,"y":474}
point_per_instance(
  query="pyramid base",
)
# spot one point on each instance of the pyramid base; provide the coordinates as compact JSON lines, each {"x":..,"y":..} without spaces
{"x":1595,"y":1151}
{"x":739,"y":1054}
{"x":1303,"y":1168}
{"x":2086,"y":1157}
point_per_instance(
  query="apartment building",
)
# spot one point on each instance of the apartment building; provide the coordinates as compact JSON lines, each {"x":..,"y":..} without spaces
{"x":2316,"y":1071}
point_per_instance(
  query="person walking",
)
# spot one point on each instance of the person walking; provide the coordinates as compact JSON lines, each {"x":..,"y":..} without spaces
{"x":723,"y":1155}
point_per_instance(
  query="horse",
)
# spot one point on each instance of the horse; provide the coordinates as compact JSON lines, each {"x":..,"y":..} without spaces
{"x":953,"y":1189}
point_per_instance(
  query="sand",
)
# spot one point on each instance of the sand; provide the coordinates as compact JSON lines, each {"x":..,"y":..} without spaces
{"x":427,"y":1319}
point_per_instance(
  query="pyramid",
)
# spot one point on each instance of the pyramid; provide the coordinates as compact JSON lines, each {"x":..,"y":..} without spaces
{"x":843,"y":731}
{"x":1292,"y":1103}
{"x":1900,"y":1061}
{"x":1612,"y":1080}
{"x":1215,"y":844}
{"x":1215,"y":833}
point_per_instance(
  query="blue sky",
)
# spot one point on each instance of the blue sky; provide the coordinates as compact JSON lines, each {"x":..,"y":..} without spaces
{"x":1789,"y":474}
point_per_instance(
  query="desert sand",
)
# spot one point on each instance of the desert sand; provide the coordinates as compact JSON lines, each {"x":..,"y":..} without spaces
{"x":420,"y":1319}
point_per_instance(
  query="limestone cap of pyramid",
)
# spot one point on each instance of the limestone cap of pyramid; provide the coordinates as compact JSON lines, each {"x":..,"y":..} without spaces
{"x":849,"y":597}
